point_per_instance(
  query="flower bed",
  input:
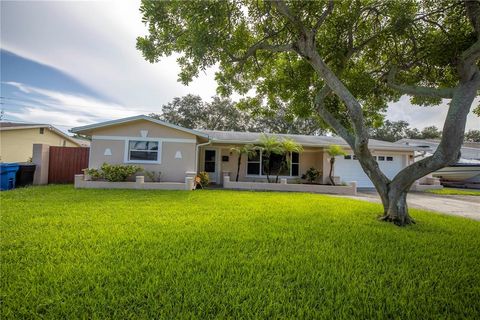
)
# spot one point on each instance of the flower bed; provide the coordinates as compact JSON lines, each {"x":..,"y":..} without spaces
{"x":350,"y":189}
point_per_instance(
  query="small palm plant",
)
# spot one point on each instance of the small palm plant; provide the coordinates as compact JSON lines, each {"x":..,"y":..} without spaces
{"x":288,"y":146}
{"x":333,"y":151}
{"x":269,"y":145}
{"x":249,"y":150}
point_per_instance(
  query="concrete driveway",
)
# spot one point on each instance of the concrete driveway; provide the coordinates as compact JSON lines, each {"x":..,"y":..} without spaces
{"x":464,"y":206}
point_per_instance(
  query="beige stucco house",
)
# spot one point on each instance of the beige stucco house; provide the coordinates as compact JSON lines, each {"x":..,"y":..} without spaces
{"x":159,"y":146}
{"x":17,"y":139}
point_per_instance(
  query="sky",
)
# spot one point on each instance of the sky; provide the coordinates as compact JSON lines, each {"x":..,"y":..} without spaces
{"x":72,"y":63}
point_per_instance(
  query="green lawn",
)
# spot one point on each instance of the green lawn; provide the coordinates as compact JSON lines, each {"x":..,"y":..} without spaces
{"x":124,"y":254}
{"x":453,"y":191}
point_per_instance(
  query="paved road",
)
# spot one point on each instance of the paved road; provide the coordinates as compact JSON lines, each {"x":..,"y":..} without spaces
{"x":464,"y":206}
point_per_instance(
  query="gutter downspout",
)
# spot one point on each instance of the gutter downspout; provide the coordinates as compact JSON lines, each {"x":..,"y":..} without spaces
{"x":197,"y":151}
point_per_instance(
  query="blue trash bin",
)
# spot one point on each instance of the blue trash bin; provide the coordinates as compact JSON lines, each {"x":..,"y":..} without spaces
{"x":7,"y":173}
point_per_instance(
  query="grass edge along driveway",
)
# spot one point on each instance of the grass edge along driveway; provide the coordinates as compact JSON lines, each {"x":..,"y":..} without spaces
{"x":69,"y":253}
{"x":455,"y":192}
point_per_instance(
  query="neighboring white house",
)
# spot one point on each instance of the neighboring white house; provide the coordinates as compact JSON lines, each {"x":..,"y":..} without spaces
{"x":173,"y":150}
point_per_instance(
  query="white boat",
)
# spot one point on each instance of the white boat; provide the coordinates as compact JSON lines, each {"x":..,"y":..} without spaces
{"x":460,"y":173}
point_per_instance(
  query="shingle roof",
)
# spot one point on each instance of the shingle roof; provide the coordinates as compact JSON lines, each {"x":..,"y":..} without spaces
{"x":248,"y":137}
{"x":16,"y":124}
{"x":318,"y":141}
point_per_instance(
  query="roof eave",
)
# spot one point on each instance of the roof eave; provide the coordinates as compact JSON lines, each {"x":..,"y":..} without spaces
{"x":392,"y":148}
{"x":24,"y":127}
{"x":83,"y":129}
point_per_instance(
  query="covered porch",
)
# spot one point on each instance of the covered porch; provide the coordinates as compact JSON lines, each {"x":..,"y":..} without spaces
{"x":218,"y":160}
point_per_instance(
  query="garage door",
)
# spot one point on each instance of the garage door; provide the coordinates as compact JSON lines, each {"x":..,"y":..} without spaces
{"x":349,"y":169}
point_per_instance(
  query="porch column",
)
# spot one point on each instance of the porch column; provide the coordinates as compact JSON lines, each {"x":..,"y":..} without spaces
{"x":190,"y":180}
{"x":325,"y":167}
{"x":40,"y":157}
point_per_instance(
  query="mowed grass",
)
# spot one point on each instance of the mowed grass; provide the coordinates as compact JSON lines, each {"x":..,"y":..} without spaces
{"x":128,"y":254}
{"x":454,"y":191}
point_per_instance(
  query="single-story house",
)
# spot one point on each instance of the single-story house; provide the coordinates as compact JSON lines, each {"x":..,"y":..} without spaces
{"x":173,"y":150}
{"x":17,"y":139}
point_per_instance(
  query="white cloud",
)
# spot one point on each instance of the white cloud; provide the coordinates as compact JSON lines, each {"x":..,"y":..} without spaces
{"x":18,"y":85}
{"x":95,"y":43}
{"x":421,"y":117}
{"x":65,"y":109}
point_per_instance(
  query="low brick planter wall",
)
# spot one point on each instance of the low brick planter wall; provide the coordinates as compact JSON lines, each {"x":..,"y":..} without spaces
{"x":81,"y":183}
{"x":351,"y":189}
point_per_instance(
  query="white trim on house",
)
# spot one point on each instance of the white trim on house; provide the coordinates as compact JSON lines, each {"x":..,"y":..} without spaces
{"x":135,"y":118}
{"x":122,"y":138}
{"x":126,"y":154}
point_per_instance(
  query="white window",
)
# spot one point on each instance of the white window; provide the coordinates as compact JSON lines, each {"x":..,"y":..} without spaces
{"x":389,"y":158}
{"x":142,"y":151}
{"x":295,"y":167}
{"x":258,"y":165}
{"x":381,"y":158}
{"x":253,"y":164}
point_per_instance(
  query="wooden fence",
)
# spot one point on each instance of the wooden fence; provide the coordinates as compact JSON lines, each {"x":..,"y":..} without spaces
{"x":65,"y":163}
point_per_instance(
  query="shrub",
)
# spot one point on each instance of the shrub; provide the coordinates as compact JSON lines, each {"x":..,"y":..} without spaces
{"x":311,"y":175}
{"x":153,"y":176}
{"x":113,"y":172}
{"x":118,"y":172}
{"x":202,"y":179}
{"x":95,"y":174}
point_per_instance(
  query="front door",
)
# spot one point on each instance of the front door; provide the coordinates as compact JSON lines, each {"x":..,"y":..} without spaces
{"x":210,"y":165}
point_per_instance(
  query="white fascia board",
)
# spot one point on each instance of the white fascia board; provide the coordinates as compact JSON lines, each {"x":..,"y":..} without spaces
{"x":123,"y":138}
{"x":135,"y":118}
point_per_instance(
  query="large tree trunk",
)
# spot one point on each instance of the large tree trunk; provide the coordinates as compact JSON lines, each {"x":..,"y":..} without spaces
{"x":396,"y":208}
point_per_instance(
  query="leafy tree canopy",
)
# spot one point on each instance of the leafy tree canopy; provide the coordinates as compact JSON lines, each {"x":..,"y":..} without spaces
{"x":360,"y":41}
{"x":395,"y":130}
{"x":191,"y":111}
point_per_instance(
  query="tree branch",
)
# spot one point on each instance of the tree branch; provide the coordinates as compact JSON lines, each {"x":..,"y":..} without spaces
{"x":448,"y":150}
{"x":324,"y":16}
{"x":261,"y":46}
{"x":286,"y":12}
{"x":329,"y":118}
{"x":472,"y":54}
{"x":305,"y":46}
{"x":443,"y":93}
{"x":473,"y":14}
